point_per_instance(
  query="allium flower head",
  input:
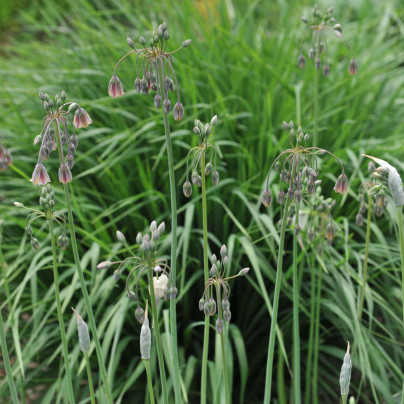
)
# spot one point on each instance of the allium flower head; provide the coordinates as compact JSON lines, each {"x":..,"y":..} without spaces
{"x":319,"y":26}
{"x":156,"y":72}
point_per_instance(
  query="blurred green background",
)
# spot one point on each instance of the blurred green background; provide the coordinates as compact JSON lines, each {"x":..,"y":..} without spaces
{"x":242,"y":66}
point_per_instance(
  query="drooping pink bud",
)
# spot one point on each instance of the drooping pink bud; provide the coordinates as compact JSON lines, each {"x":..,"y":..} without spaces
{"x":115,"y":88}
{"x":40,"y":176}
{"x":81,"y":118}
{"x":65,"y":175}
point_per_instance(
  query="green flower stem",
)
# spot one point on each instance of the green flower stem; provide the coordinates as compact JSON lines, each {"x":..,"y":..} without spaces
{"x":6,"y":361}
{"x":317,"y":337}
{"x":157,"y":336}
{"x":149,"y":379}
{"x":344,"y":399}
{"x":3,"y":269}
{"x":309,"y":360}
{"x":271,"y":345}
{"x":173,"y":198}
{"x":316,"y":99}
{"x":90,"y":379}
{"x":366,"y":259}
{"x":60,"y":315}
{"x":79,"y":269}
{"x":399,"y":210}
{"x":296,"y":334}
{"x":206,"y":277}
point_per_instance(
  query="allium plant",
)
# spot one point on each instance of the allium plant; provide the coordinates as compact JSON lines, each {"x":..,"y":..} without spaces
{"x":299,"y":177}
{"x":161,"y":285}
{"x":5,"y":158}
{"x":157,"y":73}
{"x":319,"y":26}
{"x":58,"y":133}
{"x":198,"y":177}
{"x":47,"y":212}
{"x":218,"y":285}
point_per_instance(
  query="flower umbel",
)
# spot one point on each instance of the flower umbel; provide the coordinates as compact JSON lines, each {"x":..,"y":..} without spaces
{"x":155,"y":58}
{"x":320,"y":25}
{"x":55,"y":134}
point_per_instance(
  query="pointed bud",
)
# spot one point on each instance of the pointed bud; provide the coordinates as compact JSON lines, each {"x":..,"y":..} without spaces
{"x":186,"y":43}
{"x":267,"y":198}
{"x":215,"y":178}
{"x":81,"y":118}
{"x":213,"y":121}
{"x":161,"y":228}
{"x":223,"y":251}
{"x":115,"y":88}
{"x":104,"y":264}
{"x":18,"y":205}
{"x":178,"y":111}
{"x":353,"y":67}
{"x":120,"y":236}
{"x":130,"y":42}
{"x":341,"y":185}
{"x":187,"y":189}
{"x":35,"y":243}
{"x":244,"y":271}
{"x":219,"y":325}
{"x":142,"y":41}
{"x":359,"y":219}
{"x":166,"y":106}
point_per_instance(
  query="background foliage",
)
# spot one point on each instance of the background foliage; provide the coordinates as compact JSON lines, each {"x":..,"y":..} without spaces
{"x":242,"y":66}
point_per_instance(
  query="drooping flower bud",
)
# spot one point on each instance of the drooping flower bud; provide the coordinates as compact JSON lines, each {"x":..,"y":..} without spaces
{"x":40,"y":175}
{"x":330,"y":231}
{"x":81,"y":118}
{"x":301,"y":60}
{"x":178,"y":111}
{"x":157,"y":101}
{"x":139,"y":314}
{"x":115,"y":88}
{"x":353,"y":67}
{"x":166,"y":106}
{"x":219,"y":325}
{"x":104,"y":264}
{"x":65,"y":175}
{"x":267,"y":198}
{"x":341,"y":185}
{"x":215,"y":178}
{"x":187,"y":189}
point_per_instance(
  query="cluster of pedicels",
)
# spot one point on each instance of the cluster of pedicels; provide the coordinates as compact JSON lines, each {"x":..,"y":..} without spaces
{"x":202,"y":131}
{"x":55,"y":134}
{"x":5,"y":158}
{"x":46,"y":211}
{"x":156,"y":72}
{"x":218,"y":285}
{"x":319,"y":26}
{"x":299,"y":180}
{"x":146,"y":258}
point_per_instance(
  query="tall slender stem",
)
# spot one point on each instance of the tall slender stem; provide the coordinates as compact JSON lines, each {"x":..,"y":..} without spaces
{"x":271,"y":345}
{"x":83,"y":286}
{"x":317,"y":337}
{"x":3,"y":267}
{"x":60,"y":314}
{"x":309,"y":360}
{"x":206,"y":277}
{"x":296,"y":334}
{"x":366,"y":259}
{"x":149,"y":380}
{"x":173,"y":198}
{"x":6,"y":361}
{"x":157,"y":336}
{"x":316,"y":99}
{"x":90,"y":379}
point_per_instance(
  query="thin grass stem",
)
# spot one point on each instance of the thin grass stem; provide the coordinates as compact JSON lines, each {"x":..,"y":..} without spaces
{"x":316,"y":99}
{"x":90,"y":379}
{"x":149,"y":380}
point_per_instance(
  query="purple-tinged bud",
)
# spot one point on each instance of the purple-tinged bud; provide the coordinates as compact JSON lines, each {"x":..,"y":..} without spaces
{"x":130,"y":42}
{"x":341,"y":185}
{"x":81,"y":118}
{"x":215,"y":178}
{"x":35,"y":243}
{"x":227,"y":316}
{"x":142,"y":41}
{"x":330,"y":232}
{"x":312,"y":53}
{"x":115,"y":88}
{"x":244,"y":271}
{"x":378,"y":210}
{"x":157,"y":269}
{"x":187,"y":189}
{"x":304,"y":19}
{"x":291,"y":193}
{"x":194,"y":177}
{"x":266,"y":198}
{"x":144,"y":86}
{"x":380,"y":198}
{"x":213,"y":121}
{"x":172,"y":292}
{"x":65,"y":175}
{"x":199,"y":181}
{"x":301,"y":60}
{"x":359,"y":219}
{"x":166,"y":106}
{"x":371,"y":167}
{"x":298,"y":195}
{"x":40,"y":175}
{"x":196,"y":130}
{"x":138,"y":87}
{"x":326,"y":70}
{"x":318,"y":63}
{"x":178,"y":111}
{"x":37,"y":140}
{"x":281,"y":197}
{"x":117,"y":274}
{"x":353,"y":67}
{"x":120,"y":236}
{"x":208,"y":168}
{"x":104,"y":264}
{"x":219,"y":325}
{"x":69,"y":161}
{"x":166,"y":35}
{"x":139,"y":238}
{"x":139,"y":314}
{"x":285,"y":125}
{"x":42,"y":96}
{"x":157,"y":101}
{"x":186,"y":43}
{"x":310,"y":235}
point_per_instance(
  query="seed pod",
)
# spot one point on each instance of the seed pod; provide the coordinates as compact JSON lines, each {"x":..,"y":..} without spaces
{"x":84,"y":337}
{"x":345,"y":375}
{"x":145,"y":338}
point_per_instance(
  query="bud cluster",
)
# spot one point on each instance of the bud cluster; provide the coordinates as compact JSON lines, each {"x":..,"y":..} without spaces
{"x":155,"y":64}
{"x":202,"y":131}
{"x":147,"y":244}
{"x":299,"y":179}
{"x":319,"y":26}
{"x":5,"y":158}
{"x":47,"y":203}
{"x":55,"y":134}
{"x":218,"y":285}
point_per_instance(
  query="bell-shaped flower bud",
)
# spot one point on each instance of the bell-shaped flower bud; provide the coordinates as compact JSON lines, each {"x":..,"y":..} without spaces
{"x":341,"y":185}
{"x":227,"y":315}
{"x":301,"y":61}
{"x":139,"y":314}
{"x":40,"y":175}
{"x":131,"y":296}
{"x":208,"y":168}
{"x":187,"y":189}
{"x":215,"y":178}
{"x":138,"y":87}
{"x":81,"y":118}
{"x":161,"y":228}
{"x":330,"y":231}
{"x":219,"y":325}
{"x":35,"y":243}
{"x":201,"y":304}
{"x":65,"y":175}
{"x":359,"y":219}
{"x":157,"y":101}
{"x":267,"y":198}
{"x":353,"y":67}
{"x":166,"y":106}
{"x":115,"y":88}
{"x":178,"y":111}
